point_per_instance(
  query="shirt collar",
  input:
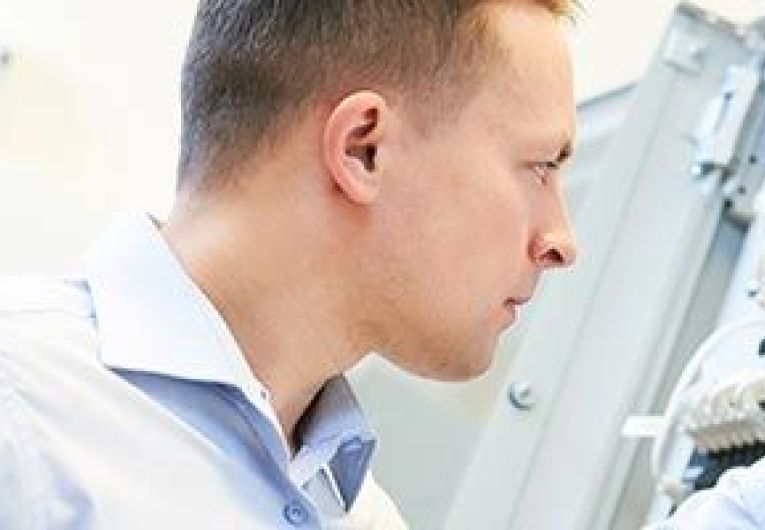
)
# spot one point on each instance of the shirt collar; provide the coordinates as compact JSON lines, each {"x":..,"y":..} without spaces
{"x":335,"y":434}
{"x":334,"y":416}
{"x":153,"y":318}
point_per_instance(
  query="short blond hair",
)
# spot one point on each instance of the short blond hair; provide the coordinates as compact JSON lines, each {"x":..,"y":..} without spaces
{"x":251,"y":64}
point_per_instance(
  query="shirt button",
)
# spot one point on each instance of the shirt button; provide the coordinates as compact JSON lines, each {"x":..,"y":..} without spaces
{"x":353,"y":445}
{"x":295,"y":513}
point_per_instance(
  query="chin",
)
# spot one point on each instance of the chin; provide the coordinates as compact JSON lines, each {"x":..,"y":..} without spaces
{"x":444,"y":363}
{"x":473,"y":371}
{"x":461,"y":369}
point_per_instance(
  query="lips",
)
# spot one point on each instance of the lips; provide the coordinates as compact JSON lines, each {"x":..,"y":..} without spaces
{"x":510,"y":307}
{"x":514,"y":302}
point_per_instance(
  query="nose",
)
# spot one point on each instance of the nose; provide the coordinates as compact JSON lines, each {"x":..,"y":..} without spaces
{"x":555,"y":247}
{"x":557,"y":253}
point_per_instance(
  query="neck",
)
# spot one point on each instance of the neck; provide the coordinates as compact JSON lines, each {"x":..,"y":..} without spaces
{"x":275,"y":288}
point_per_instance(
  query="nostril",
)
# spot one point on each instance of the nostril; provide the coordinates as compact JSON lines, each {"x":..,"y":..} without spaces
{"x":554,"y":258}
{"x":551,"y":253}
{"x":558,"y":257}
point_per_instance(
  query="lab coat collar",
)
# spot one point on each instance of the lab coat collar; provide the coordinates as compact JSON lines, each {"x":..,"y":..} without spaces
{"x":152,"y":318}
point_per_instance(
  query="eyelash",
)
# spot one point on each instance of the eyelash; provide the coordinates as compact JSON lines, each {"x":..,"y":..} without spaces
{"x":542,"y":170}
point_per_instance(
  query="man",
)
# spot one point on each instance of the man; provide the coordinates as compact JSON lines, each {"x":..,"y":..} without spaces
{"x":355,"y":177}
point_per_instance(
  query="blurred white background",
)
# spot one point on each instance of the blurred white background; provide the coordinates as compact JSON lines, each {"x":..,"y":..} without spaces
{"x":88,"y":120}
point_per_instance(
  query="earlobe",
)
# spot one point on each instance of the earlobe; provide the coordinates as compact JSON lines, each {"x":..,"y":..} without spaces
{"x":351,"y":142}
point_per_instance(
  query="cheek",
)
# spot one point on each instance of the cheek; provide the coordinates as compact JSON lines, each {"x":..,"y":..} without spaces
{"x":472,"y":260}
{"x":461,"y":226}
{"x":495,"y":228}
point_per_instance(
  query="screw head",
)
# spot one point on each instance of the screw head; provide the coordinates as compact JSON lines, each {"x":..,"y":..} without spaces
{"x":521,"y":395}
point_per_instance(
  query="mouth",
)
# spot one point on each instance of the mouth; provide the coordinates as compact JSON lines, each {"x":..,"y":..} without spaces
{"x":512,"y":302}
{"x":510,"y":311}
{"x":510,"y":306}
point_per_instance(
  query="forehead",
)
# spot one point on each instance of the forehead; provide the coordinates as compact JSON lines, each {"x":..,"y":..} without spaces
{"x":529,"y":86}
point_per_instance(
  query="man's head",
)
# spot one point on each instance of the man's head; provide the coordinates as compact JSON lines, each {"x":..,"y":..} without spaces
{"x":408,"y":150}
{"x":252,"y":66}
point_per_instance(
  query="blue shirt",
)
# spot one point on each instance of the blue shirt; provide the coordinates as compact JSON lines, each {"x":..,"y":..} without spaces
{"x":125,"y":402}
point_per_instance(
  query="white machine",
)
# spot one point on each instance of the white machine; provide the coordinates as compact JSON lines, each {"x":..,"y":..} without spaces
{"x":714,"y":418}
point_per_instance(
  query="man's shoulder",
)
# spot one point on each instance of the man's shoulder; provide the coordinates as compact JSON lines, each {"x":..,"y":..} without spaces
{"x":44,"y":313}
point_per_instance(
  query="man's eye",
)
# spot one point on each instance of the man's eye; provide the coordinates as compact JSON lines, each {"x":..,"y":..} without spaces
{"x":545,"y":170}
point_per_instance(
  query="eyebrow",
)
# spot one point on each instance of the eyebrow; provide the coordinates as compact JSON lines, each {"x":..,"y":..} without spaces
{"x":565,"y":153}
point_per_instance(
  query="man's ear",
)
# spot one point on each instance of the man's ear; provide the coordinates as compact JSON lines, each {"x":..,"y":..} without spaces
{"x":352,"y":136}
